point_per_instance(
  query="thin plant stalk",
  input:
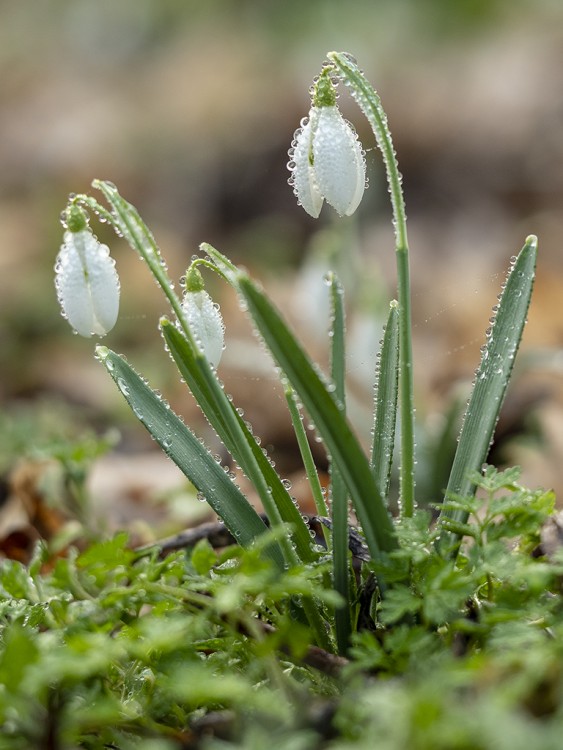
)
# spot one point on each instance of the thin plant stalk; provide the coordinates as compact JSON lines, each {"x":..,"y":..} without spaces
{"x":307,"y":457}
{"x":370,"y":104}
{"x":310,"y":469}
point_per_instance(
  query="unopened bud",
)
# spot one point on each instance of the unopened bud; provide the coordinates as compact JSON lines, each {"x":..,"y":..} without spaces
{"x":204,"y":318}
{"x":326,"y":158}
{"x":86,"y":281}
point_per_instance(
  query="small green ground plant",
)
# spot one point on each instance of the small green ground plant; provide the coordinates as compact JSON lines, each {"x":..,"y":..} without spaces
{"x":405,"y":632}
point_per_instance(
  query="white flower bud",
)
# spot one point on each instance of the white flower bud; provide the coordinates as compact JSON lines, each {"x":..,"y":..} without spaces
{"x":206,"y":324}
{"x":87,"y":284}
{"x":327,"y":162}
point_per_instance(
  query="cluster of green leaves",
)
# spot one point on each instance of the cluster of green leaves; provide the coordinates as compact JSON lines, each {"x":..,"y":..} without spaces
{"x":120,"y":648}
{"x":111,"y":646}
{"x":478,"y":642}
{"x":495,"y":578}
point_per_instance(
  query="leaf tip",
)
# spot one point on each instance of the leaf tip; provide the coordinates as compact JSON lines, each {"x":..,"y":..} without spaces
{"x":102,"y":353}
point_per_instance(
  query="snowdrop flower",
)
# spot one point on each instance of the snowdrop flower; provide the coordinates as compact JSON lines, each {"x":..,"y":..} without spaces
{"x":326,"y":158}
{"x":85,"y":278}
{"x":203,"y":317}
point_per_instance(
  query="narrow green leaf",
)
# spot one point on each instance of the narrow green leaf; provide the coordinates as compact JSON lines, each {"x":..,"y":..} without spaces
{"x":333,"y":428}
{"x":185,"y":449}
{"x":491,"y":381}
{"x":385,"y":413}
{"x":221,"y":414}
{"x":338,"y":489}
{"x":337,"y":338}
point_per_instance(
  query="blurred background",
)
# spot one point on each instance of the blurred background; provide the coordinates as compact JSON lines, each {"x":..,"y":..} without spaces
{"x":190,"y":109}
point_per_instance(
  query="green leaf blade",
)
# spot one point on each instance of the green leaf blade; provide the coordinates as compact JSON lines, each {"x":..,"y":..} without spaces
{"x":491,"y":381}
{"x":213,"y":402}
{"x":385,"y":413}
{"x":333,"y":428}
{"x":186,"y":451}
{"x":339,"y":491}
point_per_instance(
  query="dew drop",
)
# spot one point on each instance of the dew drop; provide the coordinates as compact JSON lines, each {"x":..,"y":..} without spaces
{"x":123,"y":387}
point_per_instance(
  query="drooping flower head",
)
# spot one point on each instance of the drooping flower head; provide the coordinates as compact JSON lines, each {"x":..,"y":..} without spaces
{"x":203,"y":317}
{"x":327,"y":161}
{"x":85,"y":278}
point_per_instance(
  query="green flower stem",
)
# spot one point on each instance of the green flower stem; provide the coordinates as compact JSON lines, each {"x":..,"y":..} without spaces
{"x":406,"y":390}
{"x":307,"y":457}
{"x":370,"y":104}
{"x":310,"y":468}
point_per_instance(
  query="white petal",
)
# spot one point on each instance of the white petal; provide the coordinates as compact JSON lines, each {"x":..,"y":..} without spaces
{"x":338,"y":161}
{"x":206,"y":323}
{"x":302,"y":173}
{"x":87,"y":284}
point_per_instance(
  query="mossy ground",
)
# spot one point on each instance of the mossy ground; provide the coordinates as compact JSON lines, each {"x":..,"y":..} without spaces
{"x":112,"y":647}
